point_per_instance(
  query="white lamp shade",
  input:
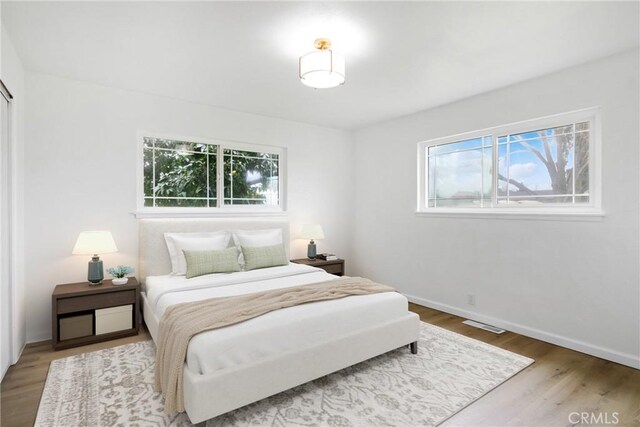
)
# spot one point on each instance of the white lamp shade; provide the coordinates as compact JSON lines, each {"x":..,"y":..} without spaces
{"x":322,"y":69}
{"x":311,"y":231}
{"x":94,"y":242}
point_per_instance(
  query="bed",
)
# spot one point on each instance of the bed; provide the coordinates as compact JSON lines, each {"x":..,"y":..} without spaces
{"x":233,"y":366}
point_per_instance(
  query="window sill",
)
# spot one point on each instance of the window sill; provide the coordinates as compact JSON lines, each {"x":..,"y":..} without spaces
{"x":207,"y":213}
{"x":590,"y":215}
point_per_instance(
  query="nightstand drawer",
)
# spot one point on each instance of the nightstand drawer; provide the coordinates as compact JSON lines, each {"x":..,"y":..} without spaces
{"x":333,"y":268}
{"x":89,"y":302}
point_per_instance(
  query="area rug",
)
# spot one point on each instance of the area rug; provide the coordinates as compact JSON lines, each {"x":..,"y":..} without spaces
{"x":113,"y":387}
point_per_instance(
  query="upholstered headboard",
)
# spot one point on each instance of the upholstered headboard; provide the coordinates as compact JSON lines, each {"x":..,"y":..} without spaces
{"x":154,"y":257}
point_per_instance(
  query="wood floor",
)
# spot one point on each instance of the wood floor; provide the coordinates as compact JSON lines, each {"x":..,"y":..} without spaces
{"x":559,"y":383}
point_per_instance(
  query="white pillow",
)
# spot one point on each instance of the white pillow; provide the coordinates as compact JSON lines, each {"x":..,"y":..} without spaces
{"x":177,"y":242}
{"x":256,"y":238}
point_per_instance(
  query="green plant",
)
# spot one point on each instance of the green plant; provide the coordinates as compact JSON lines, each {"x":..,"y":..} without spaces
{"x":120,"y":271}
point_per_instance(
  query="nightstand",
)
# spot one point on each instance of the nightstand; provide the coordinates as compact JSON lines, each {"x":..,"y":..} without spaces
{"x":83,"y":314}
{"x":335,"y":266}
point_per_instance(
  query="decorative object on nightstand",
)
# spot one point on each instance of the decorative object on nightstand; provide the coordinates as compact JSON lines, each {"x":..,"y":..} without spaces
{"x":335,"y":266}
{"x":94,"y":243}
{"x":119,"y":274}
{"x":311,"y":231}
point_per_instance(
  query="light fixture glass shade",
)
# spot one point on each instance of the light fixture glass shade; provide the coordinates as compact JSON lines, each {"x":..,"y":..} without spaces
{"x":322,"y":69}
{"x":311,"y":231}
{"x":94,"y":242}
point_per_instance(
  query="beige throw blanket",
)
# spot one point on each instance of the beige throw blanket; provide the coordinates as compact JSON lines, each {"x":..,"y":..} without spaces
{"x":180,"y":322}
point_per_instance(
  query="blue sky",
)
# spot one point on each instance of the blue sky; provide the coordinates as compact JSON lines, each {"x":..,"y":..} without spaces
{"x":460,"y":167}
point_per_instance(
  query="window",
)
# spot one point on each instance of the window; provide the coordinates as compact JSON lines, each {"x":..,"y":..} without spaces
{"x":180,"y":173}
{"x":543,"y":164}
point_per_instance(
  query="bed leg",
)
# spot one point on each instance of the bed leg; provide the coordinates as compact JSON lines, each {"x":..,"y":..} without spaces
{"x":414,"y":347}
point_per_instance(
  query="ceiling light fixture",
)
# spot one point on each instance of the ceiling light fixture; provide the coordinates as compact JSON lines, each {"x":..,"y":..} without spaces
{"x":321,"y":68}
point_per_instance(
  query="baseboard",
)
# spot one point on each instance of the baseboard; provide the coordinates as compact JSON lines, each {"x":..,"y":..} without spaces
{"x":583,"y":347}
{"x":4,"y":371}
{"x":19,"y":354}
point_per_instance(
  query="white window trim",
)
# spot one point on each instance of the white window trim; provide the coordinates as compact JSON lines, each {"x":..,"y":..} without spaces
{"x":143,"y":211}
{"x":588,"y":212}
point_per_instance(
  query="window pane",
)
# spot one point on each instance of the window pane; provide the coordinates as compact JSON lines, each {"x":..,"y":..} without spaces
{"x":456,"y":203}
{"x":148,"y":172}
{"x":457,"y":146}
{"x":543,"y":166}
{"x":250,"y":178}
{"x":182,"y":203}
{"x":582,"y":126}
{"x":582,"y":199}
{"x":176,"y":170}
{"x":541,"y":163}
{"x":503,"y":174}
{"x":525,"y":173}
{"x":459,"y":173}
{"x":181,"y":146}
{"x":180,"y":174}
{"x":432,"y":178}
{"x":244,"y":202}
{"x":185,"y":174}
{"x":213,"y":176}
{"x":582,"y":163}
{"x":533,"y":200}
{"x":487,"y":179}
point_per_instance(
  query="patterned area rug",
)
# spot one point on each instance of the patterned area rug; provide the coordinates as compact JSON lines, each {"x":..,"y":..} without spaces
{"x":114,"y":387}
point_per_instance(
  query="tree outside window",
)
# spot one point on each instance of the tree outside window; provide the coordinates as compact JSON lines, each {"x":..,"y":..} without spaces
{"x":186,"y":174}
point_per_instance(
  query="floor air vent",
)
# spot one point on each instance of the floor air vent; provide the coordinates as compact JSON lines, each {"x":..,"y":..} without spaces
{"x":483,"y":326}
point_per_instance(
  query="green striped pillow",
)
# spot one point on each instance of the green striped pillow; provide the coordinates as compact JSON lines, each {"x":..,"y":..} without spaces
{"x":264,"y":256}
{"x":200,"y":263}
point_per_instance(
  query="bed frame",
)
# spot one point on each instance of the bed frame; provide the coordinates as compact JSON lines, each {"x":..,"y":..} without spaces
{"x":207,"y":396}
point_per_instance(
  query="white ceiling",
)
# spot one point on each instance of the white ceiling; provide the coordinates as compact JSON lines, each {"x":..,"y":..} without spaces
{"x":402,"y":57}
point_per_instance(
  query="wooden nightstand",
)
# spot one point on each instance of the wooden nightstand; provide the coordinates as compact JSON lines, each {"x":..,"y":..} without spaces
{"x":335,"y":266}
{"x":83,"y":314}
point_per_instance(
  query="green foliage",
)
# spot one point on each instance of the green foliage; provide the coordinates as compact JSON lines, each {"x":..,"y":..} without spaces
{"x":248,"y":175}
{"x":120,"y":271}
{"x":180,"y":175}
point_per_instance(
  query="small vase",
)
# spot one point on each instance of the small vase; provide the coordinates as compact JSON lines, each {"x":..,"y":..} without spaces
{"x":120,"y":280}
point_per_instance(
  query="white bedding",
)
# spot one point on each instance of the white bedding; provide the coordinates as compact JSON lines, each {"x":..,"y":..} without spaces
{"x":275,"y":332}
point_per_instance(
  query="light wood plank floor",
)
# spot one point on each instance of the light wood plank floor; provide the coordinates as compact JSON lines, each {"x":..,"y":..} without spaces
{"x":560,"y":382}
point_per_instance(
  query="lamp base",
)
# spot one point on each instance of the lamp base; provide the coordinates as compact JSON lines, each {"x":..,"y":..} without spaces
{"x":96,"y":271}
{"x":311,"y":250}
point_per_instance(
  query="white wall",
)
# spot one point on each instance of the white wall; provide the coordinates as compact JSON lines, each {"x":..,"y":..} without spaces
{"x":572,"y":283}
{"x":12,"y":74}
{"x":81,"y":174}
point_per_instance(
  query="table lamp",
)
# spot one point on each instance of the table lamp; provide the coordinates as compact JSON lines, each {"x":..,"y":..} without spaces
{"x":94,"y":243}
{"x":311,"y":231}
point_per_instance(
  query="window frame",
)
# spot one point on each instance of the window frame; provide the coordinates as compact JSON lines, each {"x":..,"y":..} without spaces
{"x":587,"y":211}
{"x":143,"y":211}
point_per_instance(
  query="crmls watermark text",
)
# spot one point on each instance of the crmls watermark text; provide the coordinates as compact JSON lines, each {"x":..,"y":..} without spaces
{"x":593,"y":418}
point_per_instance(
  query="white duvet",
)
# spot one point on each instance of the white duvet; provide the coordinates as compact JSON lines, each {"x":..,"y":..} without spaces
{"x":275,"y":332}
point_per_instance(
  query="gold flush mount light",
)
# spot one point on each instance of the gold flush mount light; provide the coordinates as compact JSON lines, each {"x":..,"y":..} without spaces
{"x":321,"y":68}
